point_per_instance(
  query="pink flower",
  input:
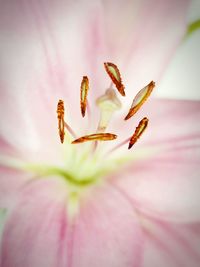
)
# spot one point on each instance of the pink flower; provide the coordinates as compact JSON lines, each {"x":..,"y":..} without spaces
{"x":64,"y":205}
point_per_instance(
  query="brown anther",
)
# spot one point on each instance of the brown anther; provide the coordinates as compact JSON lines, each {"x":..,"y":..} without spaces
{"x":138,"y":132}
{"x":95,"y":137}
{"x":61,"y":123}
{"x":139,"y":99}
{"x":115,"y":76}
{"x":83,"y":94}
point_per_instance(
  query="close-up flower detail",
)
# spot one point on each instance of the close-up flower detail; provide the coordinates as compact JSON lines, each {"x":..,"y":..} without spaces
{"x":88,"y":179}
{"x":138,"y":131}
{"x":61,"y":123}
{"x":115,"y":76}
{"x":139,"y":99}
{"x":108,"y":103}
{"x":84,"y":92}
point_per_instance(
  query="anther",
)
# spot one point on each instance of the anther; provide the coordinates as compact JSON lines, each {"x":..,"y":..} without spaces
{"x":108,"y":103}
{"x":60,"y":116}
{"x":115,"y":76}
{"x":83,"y":94}
{"x":95,"y":137}
{"x":138,"y":132}
{"x":139,"y":99}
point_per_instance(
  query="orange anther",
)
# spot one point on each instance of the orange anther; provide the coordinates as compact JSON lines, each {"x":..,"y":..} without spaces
{"x":61,"y":124}
{"x":138,"y":132}
{"x":84,"y":92}
{"x":139,"y":99}
{"x":95,"y":137}
{"x":115,"y":76}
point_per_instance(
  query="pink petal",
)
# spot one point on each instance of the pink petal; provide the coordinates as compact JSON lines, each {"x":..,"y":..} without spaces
{"x":166,"y":183}
{"x":10,"y":183}
{"x":171,"y":122}
{"x":38,"y":233}
{"x":158,"y":22}
{"x":171,"y":245}
{"x":108,"y":232}
{"x":53,"y":50}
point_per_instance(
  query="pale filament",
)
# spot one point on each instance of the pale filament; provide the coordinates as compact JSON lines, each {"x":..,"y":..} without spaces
{"x":126,"y":141}
{"x":70,"y":130}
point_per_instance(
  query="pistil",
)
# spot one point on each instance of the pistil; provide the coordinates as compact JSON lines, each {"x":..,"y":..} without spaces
{"x":108,"y":103}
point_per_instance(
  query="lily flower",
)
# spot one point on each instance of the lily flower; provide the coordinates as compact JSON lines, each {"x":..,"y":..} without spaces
{"x":88,"y":201}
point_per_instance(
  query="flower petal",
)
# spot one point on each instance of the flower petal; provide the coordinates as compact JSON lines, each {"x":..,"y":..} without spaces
{"x":156,"y":32}
{"x":107,"y":232}
{"x":36,"y":231}
{"x":10,"y":183}
{"x":171,"y":245}
{"x":45,"y":64}
{"x":166,"y":183}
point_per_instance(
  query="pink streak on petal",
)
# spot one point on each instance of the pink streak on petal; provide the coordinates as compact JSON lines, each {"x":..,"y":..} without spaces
{"x":166,"y":244}
{"x":165,"y":188}
{"x":36,"y":231}
{"x":107,"y":232}
{"x":38,"y":234}
{"x":170,"y":243}
{"x":179,"y":237}
{"x":6,"y":148}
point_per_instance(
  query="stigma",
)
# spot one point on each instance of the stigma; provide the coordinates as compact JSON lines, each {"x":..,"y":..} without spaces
{"x":108,"y":104}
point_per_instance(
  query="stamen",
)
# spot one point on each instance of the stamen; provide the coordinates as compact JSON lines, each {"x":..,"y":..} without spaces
{"x":139,"y":99}
{"x":138,"y":132}
{"x":70,"y":130}
{"x":115,"y":76}
{"x":119,"y":145}
{"x":108,"y":104}
{"x":60,"y":112}
{"x":94,"y":137}
{"x":83,"y":94}
{"x":144,"y":122}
